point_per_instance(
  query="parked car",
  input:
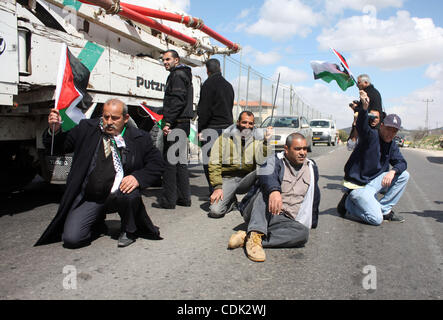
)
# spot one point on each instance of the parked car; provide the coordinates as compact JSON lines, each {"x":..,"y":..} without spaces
{"x":324,"y":130}
{"x":400,"y":141}
{"x":285,"y":126}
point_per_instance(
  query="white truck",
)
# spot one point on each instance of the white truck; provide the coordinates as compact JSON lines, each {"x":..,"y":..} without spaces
{"x":324,"y":131}
{"x":124,"y":56}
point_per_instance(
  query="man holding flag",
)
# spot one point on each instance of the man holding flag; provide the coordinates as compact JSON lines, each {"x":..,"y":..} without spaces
{"x":112,"y":162}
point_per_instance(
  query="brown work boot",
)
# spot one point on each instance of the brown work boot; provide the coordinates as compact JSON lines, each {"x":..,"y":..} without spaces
{"x":254,"y":247}
{"x":237,"y":240}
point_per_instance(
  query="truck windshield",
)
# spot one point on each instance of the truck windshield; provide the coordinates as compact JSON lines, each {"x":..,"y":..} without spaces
{"x":319,"y":124}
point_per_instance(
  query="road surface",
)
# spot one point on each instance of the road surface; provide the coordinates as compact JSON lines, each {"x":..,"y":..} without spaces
{"x":343,"y":259}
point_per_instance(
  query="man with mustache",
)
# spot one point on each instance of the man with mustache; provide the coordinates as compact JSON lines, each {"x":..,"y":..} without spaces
{"x":283,"y":206}
{"x":112,"y":163}
{"x":233,"y":162}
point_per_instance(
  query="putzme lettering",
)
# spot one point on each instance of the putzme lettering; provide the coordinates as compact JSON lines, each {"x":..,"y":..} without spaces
{"x":150,"y":84}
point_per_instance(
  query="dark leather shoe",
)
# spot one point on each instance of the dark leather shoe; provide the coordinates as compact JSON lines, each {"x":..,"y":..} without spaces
{"x":163,"y":204}
{"x":125,"y":239}
{"x":184,"y":203}
{"x":341,"y":208}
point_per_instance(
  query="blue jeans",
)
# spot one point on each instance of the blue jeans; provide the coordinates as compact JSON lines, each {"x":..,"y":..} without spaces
{"x":364,"y":205}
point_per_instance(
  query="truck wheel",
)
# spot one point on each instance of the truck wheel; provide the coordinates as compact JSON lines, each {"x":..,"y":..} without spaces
{"x":17,"y":166}
{"x":329,"y":142}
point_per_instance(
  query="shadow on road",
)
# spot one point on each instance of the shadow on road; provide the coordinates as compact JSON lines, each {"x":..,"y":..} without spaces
{"x":437,"y":215}
{"x":437,"y":160}
{"x":438,"y":202}
{"x":333,"y":186}
{"x":333,"y":178}
{"x":35,"y":195}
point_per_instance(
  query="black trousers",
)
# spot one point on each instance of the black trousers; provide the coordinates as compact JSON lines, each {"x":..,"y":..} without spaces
{"x":80,"y":221}
{"x":176,"y":176}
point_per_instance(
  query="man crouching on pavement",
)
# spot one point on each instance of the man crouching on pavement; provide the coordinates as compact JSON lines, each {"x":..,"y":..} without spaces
{"x":284,"y":204}
{"x":368,"y":173}
{"x":112,"y":163}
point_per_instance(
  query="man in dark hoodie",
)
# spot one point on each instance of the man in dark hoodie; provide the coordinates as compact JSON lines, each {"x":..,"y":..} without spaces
{"x":214,"y":110}
{"x":368,"y":173}
{"x":177,"y":115}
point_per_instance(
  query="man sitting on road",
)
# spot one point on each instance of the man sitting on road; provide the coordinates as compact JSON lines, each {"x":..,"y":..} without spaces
{"x":284,"y":204}
{"x":233,"y":161}
{"x":367,"y":172}
{"x":112,"y":163}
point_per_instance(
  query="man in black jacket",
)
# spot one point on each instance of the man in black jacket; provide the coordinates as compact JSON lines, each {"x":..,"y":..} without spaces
{"x":214,"y":110}
{"x":177,"y":115}
{"x":112,"y":163}
{"x":283,"y":206}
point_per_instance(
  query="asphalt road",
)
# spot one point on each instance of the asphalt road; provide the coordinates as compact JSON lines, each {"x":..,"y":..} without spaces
{"x":192,"y":262}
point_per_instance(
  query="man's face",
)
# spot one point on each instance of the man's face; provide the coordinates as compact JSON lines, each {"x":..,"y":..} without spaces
{"x":387,"y":134}
{"x":298,"y":151}
{"x":362,"y":84}
{"x":246,"y":122}
{"x":169,"y":61}
{"x":113,"y":119}
{"x":375,"y":120}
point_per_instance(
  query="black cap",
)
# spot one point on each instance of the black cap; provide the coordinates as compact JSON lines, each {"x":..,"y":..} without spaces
{"x":393,"y":121}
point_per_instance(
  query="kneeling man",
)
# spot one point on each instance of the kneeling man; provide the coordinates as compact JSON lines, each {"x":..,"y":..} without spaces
{"x":375,"y":167}
{"x":112,"y":163}
{"x":283,"y":206}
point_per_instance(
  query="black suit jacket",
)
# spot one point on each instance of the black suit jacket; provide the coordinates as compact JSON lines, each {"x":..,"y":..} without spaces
{"x":140,"y":159}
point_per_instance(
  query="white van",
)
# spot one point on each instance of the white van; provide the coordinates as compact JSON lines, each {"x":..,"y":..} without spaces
{"x":324,"y":131}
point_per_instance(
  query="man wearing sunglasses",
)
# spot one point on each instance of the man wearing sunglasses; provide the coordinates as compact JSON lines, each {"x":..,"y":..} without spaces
{"x":283,"y":205}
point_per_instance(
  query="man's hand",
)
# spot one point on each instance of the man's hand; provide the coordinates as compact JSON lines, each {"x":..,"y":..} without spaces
{"x":275,"y":203}
{"x":54,"y":121}
{"x":268,"y":133}
{"x":387,"y":180}
{"x":166,"y":130}
{"x":216,"y":196}
{"x":364,"y":99}
{"x":129,"y":184}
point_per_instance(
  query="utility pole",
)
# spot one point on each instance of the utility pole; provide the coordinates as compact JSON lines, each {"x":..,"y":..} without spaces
{"x":427,"y":114}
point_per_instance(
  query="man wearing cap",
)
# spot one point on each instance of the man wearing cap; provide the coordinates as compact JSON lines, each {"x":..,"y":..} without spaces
{"x":376,"y":166}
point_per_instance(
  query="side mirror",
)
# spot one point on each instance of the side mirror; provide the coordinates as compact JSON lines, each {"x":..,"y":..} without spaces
{"x":305,"y":126}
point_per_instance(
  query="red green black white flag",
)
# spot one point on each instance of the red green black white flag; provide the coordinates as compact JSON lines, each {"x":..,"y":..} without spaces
{"x":72,"y":83}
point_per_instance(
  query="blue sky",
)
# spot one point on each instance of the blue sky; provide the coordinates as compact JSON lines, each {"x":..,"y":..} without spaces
{"x":399,"y":43}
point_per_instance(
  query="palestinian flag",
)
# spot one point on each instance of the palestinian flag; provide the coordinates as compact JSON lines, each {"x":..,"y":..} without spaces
{"x":330,"y":72}
{"x":193,"y":135}
{"x":344,"y":63}
{"x":72,"y":82}
{"x":158,"y":119}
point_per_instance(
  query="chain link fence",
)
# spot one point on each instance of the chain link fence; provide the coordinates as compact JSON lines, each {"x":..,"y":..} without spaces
{"x":256,"y":92}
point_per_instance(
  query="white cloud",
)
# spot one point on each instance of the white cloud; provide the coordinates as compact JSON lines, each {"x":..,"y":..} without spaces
{"x":290,"y":76}
{"x":338,"y":6}
{"x":267,"y":58}
{"x":400,"y":42}
{"x":280,"y":19}
{"x":412,"y":108}
{"x":244,"y":13}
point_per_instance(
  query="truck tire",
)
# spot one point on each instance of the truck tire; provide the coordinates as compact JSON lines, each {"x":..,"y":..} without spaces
{"x":17,"y":166}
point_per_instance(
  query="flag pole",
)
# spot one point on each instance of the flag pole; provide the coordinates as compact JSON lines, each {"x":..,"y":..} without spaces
{"x":275,"y":99}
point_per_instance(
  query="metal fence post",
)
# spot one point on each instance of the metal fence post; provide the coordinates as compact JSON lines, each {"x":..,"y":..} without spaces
{"x":247,"y":88}
{"x":261,"y":99}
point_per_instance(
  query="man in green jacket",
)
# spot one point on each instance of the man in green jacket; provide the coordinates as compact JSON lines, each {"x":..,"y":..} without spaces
{"x":234,"y":158}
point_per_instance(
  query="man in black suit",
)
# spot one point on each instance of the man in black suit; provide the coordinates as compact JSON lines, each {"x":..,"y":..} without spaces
{"x":112,"y":163}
